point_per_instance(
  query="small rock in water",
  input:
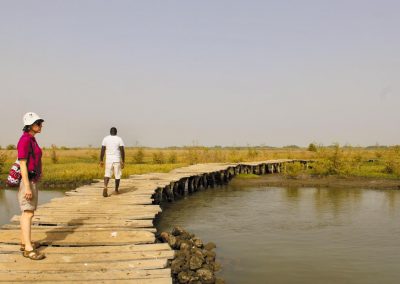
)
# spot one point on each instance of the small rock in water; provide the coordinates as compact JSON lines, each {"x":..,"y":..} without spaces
{"x":185,"y":246}
{"x":172,"y":242}
{"x":210,"y":246}
{"x":198,"y":243}
{"x":176,"y":231}
{"x":206,"y":276}
{"x":184,"y":276}
{"x":217,"y":266}
{"x":164,"y":236}
{"x":195,"y":262}
{"x":178,"y":265}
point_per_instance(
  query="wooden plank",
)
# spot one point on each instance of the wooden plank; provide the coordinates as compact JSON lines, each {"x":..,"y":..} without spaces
{"x":86,"y":228}
{"x":87,"y":222}
{"x":134,"y":274}
{"x":91,"y":222}
{"x":102,"y":208}
{"x":83,"y":267}
{"x":97,"y":212}
{"x":82,"y":219}
{"x":7,"y":248}
{"x":115,"y":281}
{"x":100,"y":199}
{"x":80,"y":238}
{"x":91,"y":206}
{"x":88,"y":257}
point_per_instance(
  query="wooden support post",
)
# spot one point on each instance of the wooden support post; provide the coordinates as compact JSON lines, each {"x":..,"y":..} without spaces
{"x":205,"y":181}
{"x":168,"y":194}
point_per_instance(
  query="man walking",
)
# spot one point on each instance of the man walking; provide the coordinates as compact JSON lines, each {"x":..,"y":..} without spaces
{"x":113,"y":147}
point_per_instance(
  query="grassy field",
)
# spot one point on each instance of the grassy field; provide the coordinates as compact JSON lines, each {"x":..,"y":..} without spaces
{"x":62,"y":165}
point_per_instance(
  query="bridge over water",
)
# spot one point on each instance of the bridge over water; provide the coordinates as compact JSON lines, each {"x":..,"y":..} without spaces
{"x":89,"y":238}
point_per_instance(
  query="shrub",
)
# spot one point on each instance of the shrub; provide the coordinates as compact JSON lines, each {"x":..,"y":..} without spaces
{"x":392,"y":167}
{"x":53,"y":154}
{"x":138,"y":156}
{"x":392,"y":162}
{"x":11,"y":147}
{"x":3,"y":158}
{"x":192,"y":155}
{"x":251,"y":153}
{"x":94,"y":156}
{"x":331,"y":162}
{"x":312,"y":147}
{"x":158,"y":158}
{"x":293,"y":169}
{"x":172,"y":158}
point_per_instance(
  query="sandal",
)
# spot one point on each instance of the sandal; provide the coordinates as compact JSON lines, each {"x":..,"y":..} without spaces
{"x":33,"y":254}
{"x":35,"y":245}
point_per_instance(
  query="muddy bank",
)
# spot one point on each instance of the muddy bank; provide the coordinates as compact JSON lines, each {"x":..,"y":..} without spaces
{"x":311,"y":181}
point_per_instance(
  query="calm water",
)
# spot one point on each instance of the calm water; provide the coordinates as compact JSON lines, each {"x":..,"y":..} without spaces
{"x":9,"y":204}
{"x":296,"y":235}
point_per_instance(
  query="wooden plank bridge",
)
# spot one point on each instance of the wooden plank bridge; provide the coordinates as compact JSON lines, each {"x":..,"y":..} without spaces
{"x":89,"y":238}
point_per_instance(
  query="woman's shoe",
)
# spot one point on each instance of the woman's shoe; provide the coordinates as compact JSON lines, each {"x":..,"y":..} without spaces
{"x":33,"y":254}
{"x":35,"y":245}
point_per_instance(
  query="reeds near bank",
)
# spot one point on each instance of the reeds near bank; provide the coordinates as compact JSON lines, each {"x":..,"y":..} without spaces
{"x":66,"y":165}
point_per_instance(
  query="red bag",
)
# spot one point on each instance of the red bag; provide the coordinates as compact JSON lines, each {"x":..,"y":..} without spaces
{"x":14,"y":176}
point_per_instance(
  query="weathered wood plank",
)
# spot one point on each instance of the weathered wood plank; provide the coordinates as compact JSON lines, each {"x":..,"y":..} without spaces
{"x":48,"y":220}
{"x":7,"y":248}
{"x":83,"y":219}
{"x":83,"y":267}
{"x":81,"y":238}
{"x":133,"y":274}
{"x":57,"y":258}
{"x":85,"y":228}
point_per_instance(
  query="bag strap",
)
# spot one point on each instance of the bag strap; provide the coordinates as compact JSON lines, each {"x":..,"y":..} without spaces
{"x":29,"y":154}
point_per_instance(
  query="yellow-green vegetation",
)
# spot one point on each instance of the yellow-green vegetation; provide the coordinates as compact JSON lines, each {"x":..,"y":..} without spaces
{"x":247,"y":176}
{"x":63,"y":165}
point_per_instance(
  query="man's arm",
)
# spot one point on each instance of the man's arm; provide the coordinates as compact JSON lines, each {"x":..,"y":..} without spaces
{"x":122,"y":149}
{"x":103,"y":151}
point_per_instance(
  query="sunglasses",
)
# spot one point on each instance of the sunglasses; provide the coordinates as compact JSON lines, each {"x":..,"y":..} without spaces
{"x":38,"y":123}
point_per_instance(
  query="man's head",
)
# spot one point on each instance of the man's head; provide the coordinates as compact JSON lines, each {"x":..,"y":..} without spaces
{"x":113,"y":131}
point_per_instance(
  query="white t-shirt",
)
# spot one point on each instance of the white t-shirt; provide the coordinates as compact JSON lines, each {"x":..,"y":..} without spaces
{"x":112,"y":144}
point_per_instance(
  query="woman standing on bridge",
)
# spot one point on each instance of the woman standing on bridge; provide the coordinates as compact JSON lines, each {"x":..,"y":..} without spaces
{"x":30,"y":159}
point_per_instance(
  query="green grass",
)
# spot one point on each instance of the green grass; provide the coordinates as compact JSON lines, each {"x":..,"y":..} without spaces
{"x":247,"y":176}
{"x":64,"y":165}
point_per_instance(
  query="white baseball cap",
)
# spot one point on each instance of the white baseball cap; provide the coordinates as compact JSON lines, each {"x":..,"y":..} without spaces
{"x":30,"y":118}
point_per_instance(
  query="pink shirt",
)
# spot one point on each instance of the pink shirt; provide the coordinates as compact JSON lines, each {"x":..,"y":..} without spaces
{"x":26,"y":144}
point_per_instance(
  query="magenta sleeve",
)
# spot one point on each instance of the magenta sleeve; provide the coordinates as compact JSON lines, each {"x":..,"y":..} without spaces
{"x":23,"y":148}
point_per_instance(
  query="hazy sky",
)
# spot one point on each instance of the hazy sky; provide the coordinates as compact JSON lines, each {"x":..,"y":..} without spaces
{"x":207,"y":72}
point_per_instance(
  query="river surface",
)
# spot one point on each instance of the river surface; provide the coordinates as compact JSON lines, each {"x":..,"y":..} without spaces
{"x":9,"y":203}
{"x":296,"y":235}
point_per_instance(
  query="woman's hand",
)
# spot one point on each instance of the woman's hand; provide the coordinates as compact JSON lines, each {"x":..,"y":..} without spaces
{"x":25,"y":179}
{"x":28,"y":193}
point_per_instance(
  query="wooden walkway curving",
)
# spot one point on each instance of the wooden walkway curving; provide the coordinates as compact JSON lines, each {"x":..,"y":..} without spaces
{"x":89,"y":238}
